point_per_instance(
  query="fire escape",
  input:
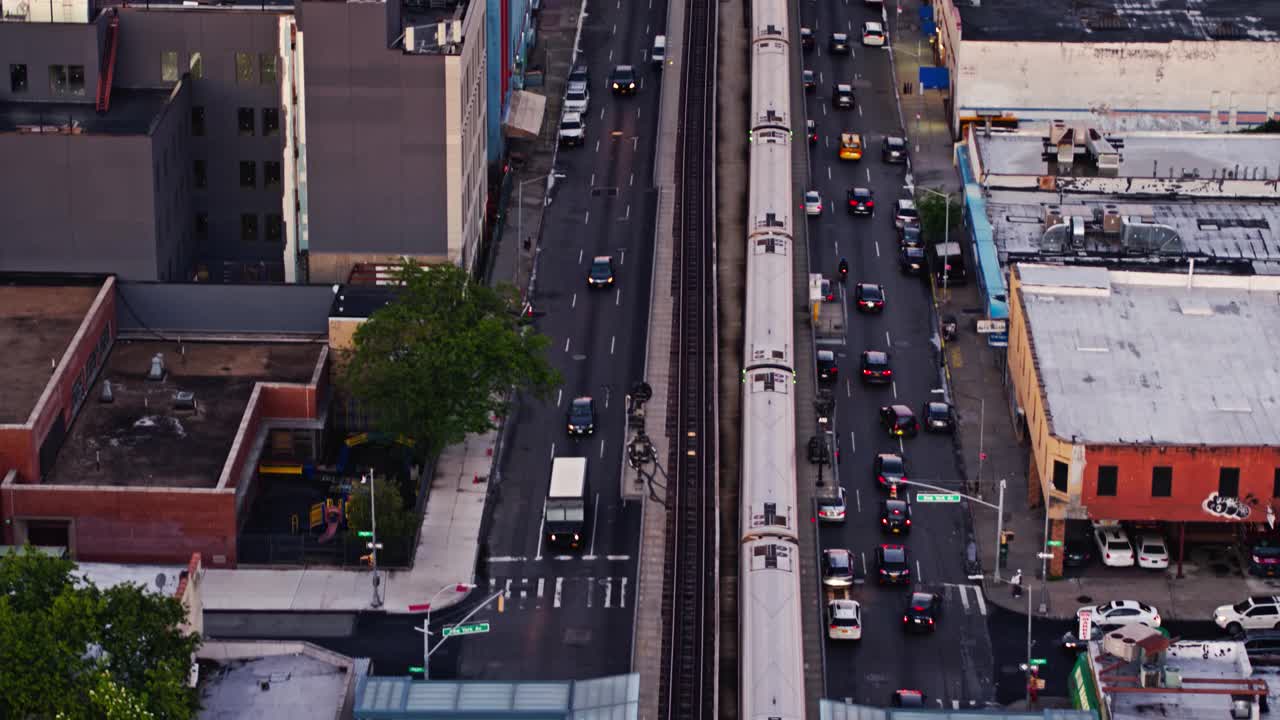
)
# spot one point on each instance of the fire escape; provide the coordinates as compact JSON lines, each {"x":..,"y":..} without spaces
{"x":107,"y":70}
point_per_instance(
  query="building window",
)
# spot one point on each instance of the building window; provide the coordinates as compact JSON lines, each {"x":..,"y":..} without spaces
{"x":271,"y":173}
{"x":18,"y":78}
{"x":270,"y":121}
{"x":1162,"y":481}
{"x":248,"y":174}
{"x":267,"y":68}
{"x":244,"y":68}
{"x":1060,"y":476}
{"x":169,"y":66}
{"x":66,"y":79}
{"x":75,"y":79}
{"x":197,"y":66}
{"x":202,"y":226}
{"x":249,"y":227}
{"x":1228,"y":482}
{"x":244,"y":120}
{"x":197,"y":121}
{"x":200,"y":175}
{"x":275,"y":228}
{"x":1107,"y":480}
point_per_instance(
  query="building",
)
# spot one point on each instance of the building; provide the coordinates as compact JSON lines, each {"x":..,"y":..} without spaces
{"x":1119,"y":64}
{"x":403,"y":698}
{"x":1147,"y":397}
{"x":276,"y":679}
{"x":510,"y":34}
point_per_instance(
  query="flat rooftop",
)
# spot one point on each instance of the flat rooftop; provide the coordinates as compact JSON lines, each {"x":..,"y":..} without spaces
{"x":159,"y":579}
{"x":1144,"y":155}
{"x":1220,"y":660}
{"x":132,"y":113}
{"x":140,"y":439}
{"x":299,"y":686}
{"x":36,"y":326}
{"x":1139,"y":357}
{"x":1120,"y":21}
{"x":1223,"y":229}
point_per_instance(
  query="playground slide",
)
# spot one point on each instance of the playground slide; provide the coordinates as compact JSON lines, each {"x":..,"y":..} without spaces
{"x":333,"y":521}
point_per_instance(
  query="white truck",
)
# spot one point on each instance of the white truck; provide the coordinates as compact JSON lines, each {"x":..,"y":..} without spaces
{"x":565,"y":511}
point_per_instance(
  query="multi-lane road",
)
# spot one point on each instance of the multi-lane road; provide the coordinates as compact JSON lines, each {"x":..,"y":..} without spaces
{"x":953,"y":665}
{"x":569,"y":615}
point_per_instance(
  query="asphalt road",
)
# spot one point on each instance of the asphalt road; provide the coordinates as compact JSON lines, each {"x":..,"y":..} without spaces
{"x":570,"y":615}
{"x":954,"y":665}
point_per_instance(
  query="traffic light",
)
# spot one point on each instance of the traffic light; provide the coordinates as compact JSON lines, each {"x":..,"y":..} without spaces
{"x":368,"y":560}
{"x":1006,"y":537}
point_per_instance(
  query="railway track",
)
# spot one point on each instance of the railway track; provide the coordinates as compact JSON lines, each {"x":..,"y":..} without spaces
{"x":688,"y":684}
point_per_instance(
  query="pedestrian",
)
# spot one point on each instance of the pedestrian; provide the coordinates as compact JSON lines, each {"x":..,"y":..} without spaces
{"x":1015,"y":583}
{"x":528,"y":242}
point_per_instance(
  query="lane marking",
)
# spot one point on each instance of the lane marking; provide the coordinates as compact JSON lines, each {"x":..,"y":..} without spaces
{"x":566,"y":344}
{"x":590,"y":557}
{"x":601,"y":117}
{"x":887,"y":341}
{"x":506,"y":593}
{"x":612,"y":340}
{"x":637,"y":113}
{"x":542,"y":521}
{"x":622,"y":254}
{"x":541,"y":582}
{"x":632,"y":181}
{"x":555,"y":599}
{"x":964,"y":598}
{"x":580,"y":251}
{"x":894,"y":385}
{"x":982,"y":603}
{"x":553,"y":451}
{"x":587,"y":219}
{"x":877,"y":244}
{"x":508,"y":559}
{"x":598,"y":496}
{"x":559,"y":396}
{"x":853,"y":445}
{"x":591,"y":582}
{"x":848,"y":389}
{"x":619,"y":300}
{"x":864,"y":564}
{"x":622,"y":596}
{"x":611,"y":56}
{"x":828,"y":172}
{"x":615,"y":29}
{"x":627,"y":216}
{"x":593,"y":175}
{"x":857,"y":494}
{"x":636,"y":140}
{"x":598,"y":145}
{"x":868,"y":176}
{"x":573,"y":303}
{"x":608,"y":592}
{"x":918,"y":573}
{"x":617,"y":558}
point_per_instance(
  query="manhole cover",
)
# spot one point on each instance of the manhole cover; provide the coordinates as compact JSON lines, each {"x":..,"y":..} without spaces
{"x":1084,"y":599}
{"x":579,"y":357}
{"x":577,"y":636}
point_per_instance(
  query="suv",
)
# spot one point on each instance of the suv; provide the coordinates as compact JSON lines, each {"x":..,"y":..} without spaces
{"x":623,"y":80}
{"x":601,"y":273}
{"x":1114,"y":545}
{"x":875,"y":367}
{"x":1260,"y":612}
{"x":843,"y":97}
{"x":844,"y":620}
{"x":893,"y":565}
{"x":582,"y":416}
{"x":827,"y":367}
{"x":889,"y":469}
{"x":573,"y":129}
{"x":832,"y":507}
{"x":894,"y":149}
{"x":839,"y":44}
{"x":895,"y":516}
{"x":577,"y":97}
{"x":860,"y":201}
{"x":837,"y":567}
{"x":899,"y":420}
{"x":906,"y":213}
{"x":581,"y":74}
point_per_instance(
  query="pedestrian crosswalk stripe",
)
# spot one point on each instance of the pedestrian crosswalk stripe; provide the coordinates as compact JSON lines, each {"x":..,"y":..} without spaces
{"x":559,"y":588}
{"x":964,"y":591}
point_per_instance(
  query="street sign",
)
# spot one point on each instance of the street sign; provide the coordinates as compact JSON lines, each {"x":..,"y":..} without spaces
{"x":1054,"y":543}
{"x":1044,"y":556}
{"x":938,"y":497}
{"x":471,"y":629}
{"x":1084,"y":624}
{"x":415,"y":669}
{"x":986,"y":327}
{"x":1039,"y":661}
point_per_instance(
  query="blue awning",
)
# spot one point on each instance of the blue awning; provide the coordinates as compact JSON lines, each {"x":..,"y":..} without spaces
{"x":935,"y":78}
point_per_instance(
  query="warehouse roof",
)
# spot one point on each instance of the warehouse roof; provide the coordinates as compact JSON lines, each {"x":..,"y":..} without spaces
{"x":1127,"y":357}
{"x":1119,"y":21}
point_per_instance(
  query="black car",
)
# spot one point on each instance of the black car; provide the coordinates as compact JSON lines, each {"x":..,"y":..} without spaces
{"x":939,"y":417}
{"x":843,"y":96}
{"x":839,"y":44}
{"x":875,"y":367}
{"x":623,"y":80}
{"x":1077,"y":546}
{"x":898,"y":420}
{"x":827,"y":367}
{"x":893,"y":565}
{"x":582,"y":416}
{"x":837,"y":568}
{"x":860,"y":201}
{"x":811,"y":128}
{"x":895,"y":516}
{"x":868,"y":297}
{"x":806,"y":39}
{"x":889,"y":468}
{"x":579,"y":73}
{"x":601,"y":273}
{"x":910,"y":236}
{"x":911,"y":260}
{"x":810,"y":82}
{"x":894,"y":149}
{"x":922,"y":611}
{"x":907,"y":698}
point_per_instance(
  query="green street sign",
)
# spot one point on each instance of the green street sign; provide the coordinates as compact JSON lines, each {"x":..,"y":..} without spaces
{"x":364,"y":533}
{"x":1054,"y":543}
{"x":937,"y":497}
{"x":1039,"y":661}
{"x":472,"y":629}
{"x":415,"y":669}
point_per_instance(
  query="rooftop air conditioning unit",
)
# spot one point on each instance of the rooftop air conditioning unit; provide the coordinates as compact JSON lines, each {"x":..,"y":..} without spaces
{"x":1172,"y":677}
{"x":1123,"y":642}
{"x":1112,"y":220}
{"x":1052,"y":215}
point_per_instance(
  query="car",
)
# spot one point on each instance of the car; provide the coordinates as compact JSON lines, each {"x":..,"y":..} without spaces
{"x":860,"y":201}
{"x":907,"y":699}
{"x":938,"y":416}
{"x":806,"y":39}
{"x":875,"y":367}
{"x":811,"y":128}
{"x":809,"y":80}
{"x":1073,"y":643}
{"x":1077,"y":548}
{"x":910,"y":236}
{"x":905,"y":213}
{"x":911,"y":260}
{"x":1264,"y":557}
{"x":837,"y":567}
{"x":873,"y":34}
{"x":898,"y":420}
{"x":831,"y":508}
{"x":623,"y":80}
{"x":579,"y":73}
{"x":828,"y":369}
{"x":868,"y":297}
{"x":844,"y":620}
{"x":893,"y":565}
{"x":895,"y":516}
{"x":850,"y":146}
{"x":582,"y":416}
{"x":1260,"y":612}
{"x":923,"y":610}
{"x":894,"y":149}
{"x":601,"y":272}
{"x":1114,"y":546}
{"x":1153,"y":553}
{"x":889,"y":469}
{"x":812,"y":203}
{"x":573,"y":129}
{"x":839,"y":44}
{"x":828,"y":290}
{"x":843,"y":96}
{"x":577,"y":97}
{"x":1121,"y":612}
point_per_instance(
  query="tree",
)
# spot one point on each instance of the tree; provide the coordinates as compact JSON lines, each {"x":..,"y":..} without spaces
{"x":933,"y":215}
{"x":70,"y":650}
{"x":394,"y":521}
{"x":1270,"y":126}
{"x":440,"y":361}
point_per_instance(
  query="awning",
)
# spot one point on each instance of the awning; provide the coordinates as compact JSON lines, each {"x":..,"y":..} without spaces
{"x":934,"y":78}
{"x":524,"y":115}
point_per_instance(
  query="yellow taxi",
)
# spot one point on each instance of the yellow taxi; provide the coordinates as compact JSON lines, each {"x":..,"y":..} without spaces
{"x":850,"y":146}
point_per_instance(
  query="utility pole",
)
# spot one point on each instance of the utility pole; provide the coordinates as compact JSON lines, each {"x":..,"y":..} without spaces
{"x":949,"y":495}
{"x":428,"y":650}
{"x":373,"y":546}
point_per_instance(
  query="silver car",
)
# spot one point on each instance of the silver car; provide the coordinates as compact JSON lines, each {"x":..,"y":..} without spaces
{"x":577,"y":97}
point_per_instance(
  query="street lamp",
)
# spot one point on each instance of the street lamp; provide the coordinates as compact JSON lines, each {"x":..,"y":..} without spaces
{"x":373,"y":546}
{"x":520,"y":206}
{"x":427,"y":649}
{"x":953,"y":496}
{"x":426,"y":623}
{"x":946,"y":230}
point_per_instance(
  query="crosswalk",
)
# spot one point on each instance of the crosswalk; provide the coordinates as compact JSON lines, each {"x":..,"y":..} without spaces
{"x":977,"y":602}
{"x":563,"y":592}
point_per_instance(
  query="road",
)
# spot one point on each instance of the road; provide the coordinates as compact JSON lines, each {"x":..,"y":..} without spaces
{"x":579,"y":606}
{"x":954,"y":665}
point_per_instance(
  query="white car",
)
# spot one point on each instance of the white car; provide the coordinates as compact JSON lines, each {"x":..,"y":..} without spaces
{"x":873,"y":34}
{"x":832,"y":509}
{"x":1113,"y":545}
{"x":1153,"y":554}
{"x":812,"y":203}
{"x":573,"y":131}
{"x":1260,"y":612}
{"x":1122,"y":612}
{"x":577,"y":97}
{"x":844,"y":620}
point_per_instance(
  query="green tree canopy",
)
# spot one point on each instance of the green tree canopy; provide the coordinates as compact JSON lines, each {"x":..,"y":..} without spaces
{"x":394,"y":521}
{"x":440,"y":361}
{"x":933,"y":214}
{"x":70,"y":650}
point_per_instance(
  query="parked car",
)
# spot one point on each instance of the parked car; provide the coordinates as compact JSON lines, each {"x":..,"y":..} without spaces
{"x":894,"y":149}
{"x":831,"y":508}
{"x":1153,"y":553}
{"x":844,"y":620}
{"x":577,"y":97}
{"x":939,"y":417}
{"x":809,"y":80}
{"x":827,"y":367}
{"x":1077,"y":548}
{"x":1264,"y":557}
{"x":873,"y":34}
{"x":573,"y":130}
{"x":811,"y":128}
{"x":1122,"y":612}
{"x":910,"y":236}
{"x":580,"y":73}
{"x":812,"y":203}
{"x":906,"y":213}
{"x":1114,"y":545}
{"x":1260,"y":612}
{"x":911,"y":260}
{"x":806,"y":39}
{"x":907,"y":699}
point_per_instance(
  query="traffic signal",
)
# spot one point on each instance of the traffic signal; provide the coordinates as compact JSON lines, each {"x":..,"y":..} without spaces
{"x":1006,"y":537}
{"x":368,"y":560}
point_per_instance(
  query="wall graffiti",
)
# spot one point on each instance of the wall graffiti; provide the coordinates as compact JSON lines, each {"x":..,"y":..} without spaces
{"x":1229,"y":507}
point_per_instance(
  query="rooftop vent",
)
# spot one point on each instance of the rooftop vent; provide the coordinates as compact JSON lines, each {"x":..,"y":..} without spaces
{"x":157,"y":372}
{"x":184,"y":400}
{"x":1194,"y":306}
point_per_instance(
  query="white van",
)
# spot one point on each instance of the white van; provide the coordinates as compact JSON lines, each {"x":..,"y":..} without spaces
{"x":659,"y":55}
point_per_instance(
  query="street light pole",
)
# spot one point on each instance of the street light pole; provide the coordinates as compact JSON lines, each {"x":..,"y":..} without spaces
{"x":427,"y":650}
{"x":426,"y":623}
{"x":998,"y":507}
{"x":373,"y":545}
{"x":999,"y":530}
{"x":946,"y":233}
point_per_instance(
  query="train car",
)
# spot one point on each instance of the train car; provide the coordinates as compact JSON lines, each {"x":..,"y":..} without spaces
{"x":769,"y":631}
{"x":767,"y":495}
